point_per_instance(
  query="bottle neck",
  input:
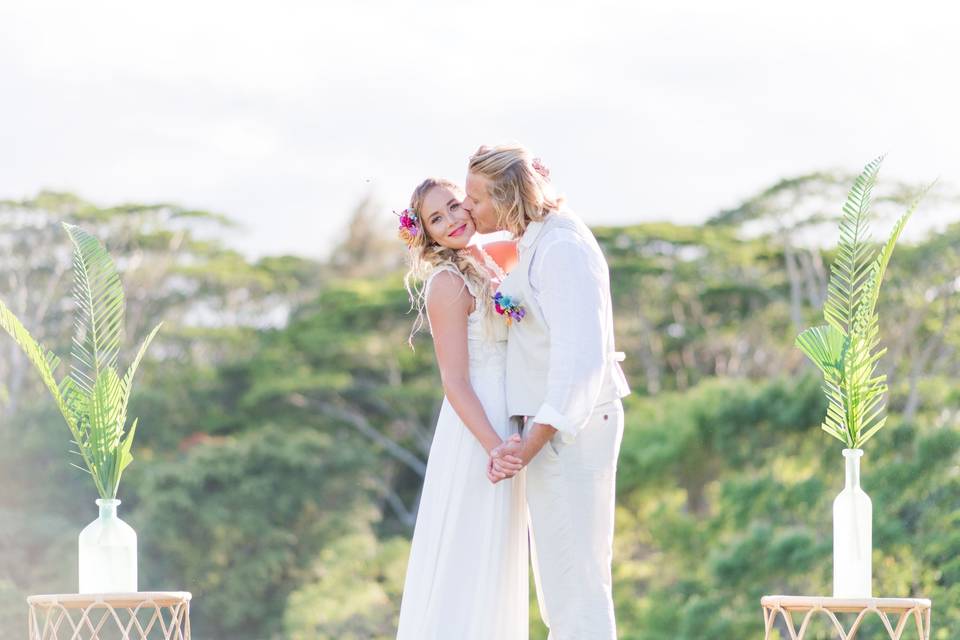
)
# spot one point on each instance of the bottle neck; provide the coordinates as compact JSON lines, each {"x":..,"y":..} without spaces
{"x":853,"y":468}
{"x":108,"y":508}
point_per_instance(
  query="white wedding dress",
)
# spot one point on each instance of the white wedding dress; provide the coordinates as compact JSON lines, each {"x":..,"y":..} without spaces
{"x":467,"y":574}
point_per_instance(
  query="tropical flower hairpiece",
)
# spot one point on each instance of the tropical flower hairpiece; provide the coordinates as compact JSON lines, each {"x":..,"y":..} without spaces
{"x":508,"y":308}
{"x":541,"y":168}
{"x":409,"y":226}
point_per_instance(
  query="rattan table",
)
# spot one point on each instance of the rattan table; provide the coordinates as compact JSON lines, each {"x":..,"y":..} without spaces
{"x":913,"y":613}
{"x":150,"y":615}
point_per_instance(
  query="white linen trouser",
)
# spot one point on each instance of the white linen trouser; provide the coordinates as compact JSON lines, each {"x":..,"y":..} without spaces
{"x":570,"y":496}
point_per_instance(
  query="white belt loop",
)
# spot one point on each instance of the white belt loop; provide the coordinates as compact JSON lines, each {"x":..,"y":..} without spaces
{"x":619,"y":356}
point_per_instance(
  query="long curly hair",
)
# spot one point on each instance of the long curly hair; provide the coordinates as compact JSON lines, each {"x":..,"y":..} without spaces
{"x":427,"y":256}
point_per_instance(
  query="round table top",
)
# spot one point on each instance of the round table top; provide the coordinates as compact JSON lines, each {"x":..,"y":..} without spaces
{"x":841,"y":604}
{"x":82,"y":600}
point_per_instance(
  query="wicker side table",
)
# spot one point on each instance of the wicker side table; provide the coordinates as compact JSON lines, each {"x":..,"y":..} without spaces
{"x":908,"y":612}
{"x":125,"y":616}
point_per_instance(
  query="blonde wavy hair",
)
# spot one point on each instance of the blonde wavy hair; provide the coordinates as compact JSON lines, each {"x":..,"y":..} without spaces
{"x":426,"y":256}
{"x":519,"y":186}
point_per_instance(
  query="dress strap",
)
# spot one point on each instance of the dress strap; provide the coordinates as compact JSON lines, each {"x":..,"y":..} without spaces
{"x":452,"y":269}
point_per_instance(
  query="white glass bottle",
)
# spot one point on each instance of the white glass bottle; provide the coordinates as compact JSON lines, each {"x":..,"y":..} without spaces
{"x":852,"y":534}
{"x":108,"y":553}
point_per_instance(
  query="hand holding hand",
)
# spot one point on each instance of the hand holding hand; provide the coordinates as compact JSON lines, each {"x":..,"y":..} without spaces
{"x":505,"y":460}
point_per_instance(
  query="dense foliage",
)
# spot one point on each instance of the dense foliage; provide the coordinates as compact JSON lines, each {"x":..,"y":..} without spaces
{"x":284,"y":424}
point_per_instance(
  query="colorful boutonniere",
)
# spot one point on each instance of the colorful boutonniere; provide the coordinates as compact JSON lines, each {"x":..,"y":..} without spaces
{"x":509,"y":309}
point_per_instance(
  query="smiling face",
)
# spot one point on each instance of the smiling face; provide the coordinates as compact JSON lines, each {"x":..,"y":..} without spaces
{"x":479,"y":204}
{"x":444,"y":218}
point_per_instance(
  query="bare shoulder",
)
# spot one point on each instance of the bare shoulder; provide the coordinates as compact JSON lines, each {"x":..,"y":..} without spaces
{"x":504,"y":253}
{"x":448,"y":289}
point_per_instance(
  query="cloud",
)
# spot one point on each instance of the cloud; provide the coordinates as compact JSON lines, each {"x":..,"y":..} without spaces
{"x":284,"y":115}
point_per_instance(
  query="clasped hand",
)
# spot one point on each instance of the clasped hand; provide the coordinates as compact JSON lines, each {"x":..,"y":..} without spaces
{"x":506,"y":460}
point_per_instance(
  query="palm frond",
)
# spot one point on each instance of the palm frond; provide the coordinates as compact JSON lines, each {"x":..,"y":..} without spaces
{"x":823,"y":345}
{"x":871,"y":432}
{"x":92,"y":398}
{"x":132,"y":370}
{"x":106,"y":429}
{"x":835,"y":421}
{"x":73,"y":404}
{"x":883,"y":258}
{"x":848,"y":349}
{"x":854,"y":254}
{"x":124,"y":456}
{"x":44,"y":360}
{"x":98,"y":293}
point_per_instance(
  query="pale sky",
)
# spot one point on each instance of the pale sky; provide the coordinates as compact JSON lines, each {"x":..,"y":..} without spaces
{"x":284,"y":114}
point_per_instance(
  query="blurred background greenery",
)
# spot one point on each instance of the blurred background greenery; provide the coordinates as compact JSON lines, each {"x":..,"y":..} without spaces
{"x":285,"y":423}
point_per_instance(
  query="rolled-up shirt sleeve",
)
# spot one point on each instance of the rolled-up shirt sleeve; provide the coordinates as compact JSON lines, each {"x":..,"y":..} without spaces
{"x":568,"y":285}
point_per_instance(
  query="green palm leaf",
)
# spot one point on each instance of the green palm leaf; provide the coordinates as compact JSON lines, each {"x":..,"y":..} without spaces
{"x":854,"y":254}
{"x":834,"y":422}
{"x":131,"y":372}
{"x":45,"y":361}
{"x":100,"y":309}
{"x":93,"y":398}
{"x":848,"y":350}
{"x":106,"y":428}
{"x":125,"y":456}
{"x":824,"y":346}
{"x":883,"y":259}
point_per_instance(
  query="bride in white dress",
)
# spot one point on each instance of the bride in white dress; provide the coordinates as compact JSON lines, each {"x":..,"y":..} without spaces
{"x":467,"y":574}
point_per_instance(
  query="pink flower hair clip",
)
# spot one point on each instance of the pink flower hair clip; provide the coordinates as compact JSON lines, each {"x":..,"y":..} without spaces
{"x":409,"y":226}
{"x":541,"y":168}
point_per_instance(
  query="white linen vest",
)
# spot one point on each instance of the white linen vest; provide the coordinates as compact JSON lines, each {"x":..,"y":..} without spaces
{"x":528,"y":345}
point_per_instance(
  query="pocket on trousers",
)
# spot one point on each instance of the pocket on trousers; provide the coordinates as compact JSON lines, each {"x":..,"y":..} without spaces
{"x":556,"y":444}
{"x":600,"y":440}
